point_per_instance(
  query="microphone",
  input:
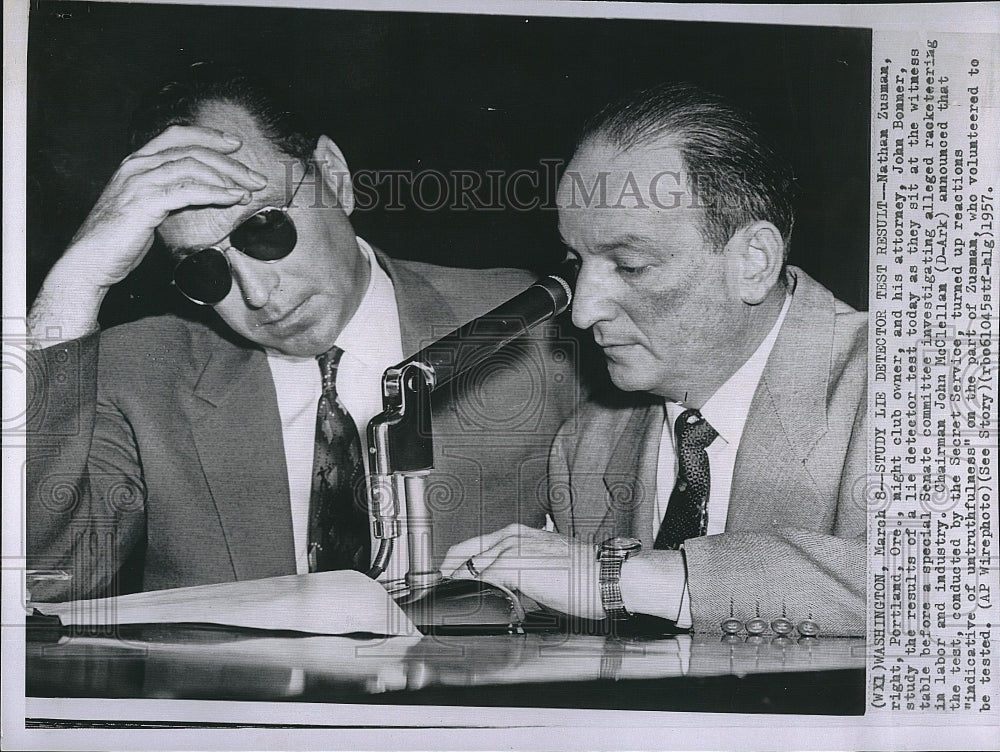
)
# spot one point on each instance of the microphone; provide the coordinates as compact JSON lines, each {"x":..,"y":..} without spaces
{"x":471,"y":344}
{"x":400,"y":438}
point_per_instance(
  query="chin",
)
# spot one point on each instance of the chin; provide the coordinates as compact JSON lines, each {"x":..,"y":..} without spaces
{"x":304,"y":339}
{"x":294,"y":346}
{"x":631,"y":379}
{"x":299,"y":349}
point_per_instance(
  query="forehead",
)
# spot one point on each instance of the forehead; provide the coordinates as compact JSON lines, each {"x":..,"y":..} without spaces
{"x":234,"y":119}
{"x":608,"y":192}
{"x":199,"y":226}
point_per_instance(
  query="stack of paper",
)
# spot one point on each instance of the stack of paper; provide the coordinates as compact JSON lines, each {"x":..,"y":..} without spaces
{"x":340,"y":602}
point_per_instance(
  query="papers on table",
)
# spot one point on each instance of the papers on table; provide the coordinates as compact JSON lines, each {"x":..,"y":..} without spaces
{"x":340,"y":602}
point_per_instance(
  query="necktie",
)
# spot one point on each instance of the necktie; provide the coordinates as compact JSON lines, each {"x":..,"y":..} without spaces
{"x":338,"y":507}
{"x":687,"y":510}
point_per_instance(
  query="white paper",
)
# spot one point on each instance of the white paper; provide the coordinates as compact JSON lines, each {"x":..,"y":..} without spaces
{"x":340,"y":602}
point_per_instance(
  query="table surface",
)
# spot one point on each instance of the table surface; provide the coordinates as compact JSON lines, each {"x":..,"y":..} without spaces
{"x":549,"y":670}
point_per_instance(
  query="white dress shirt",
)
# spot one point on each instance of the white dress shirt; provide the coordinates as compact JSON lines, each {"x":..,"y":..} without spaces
{"x":726,"y":411}
{"x":371,"y":342}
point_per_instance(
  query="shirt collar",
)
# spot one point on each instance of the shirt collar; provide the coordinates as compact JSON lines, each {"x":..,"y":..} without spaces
{"x":375,"y":324}
{"x":728,"y":408}
{"x":373,"y":330}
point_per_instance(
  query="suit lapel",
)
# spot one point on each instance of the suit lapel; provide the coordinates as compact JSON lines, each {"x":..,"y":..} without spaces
{"x":424,"y":314}
{"x":787,"y":416}
{"x":233,"y":413}
{"x":626,"y":507}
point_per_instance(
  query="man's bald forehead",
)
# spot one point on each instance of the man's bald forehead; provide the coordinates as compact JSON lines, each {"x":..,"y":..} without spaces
{"x":602,"y":176}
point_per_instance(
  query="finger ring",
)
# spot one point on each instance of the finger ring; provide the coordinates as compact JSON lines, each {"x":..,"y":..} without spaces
{"x":472,"y":569}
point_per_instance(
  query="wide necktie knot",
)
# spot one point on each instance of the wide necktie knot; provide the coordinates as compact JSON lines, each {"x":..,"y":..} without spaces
{"x":687,"y":511}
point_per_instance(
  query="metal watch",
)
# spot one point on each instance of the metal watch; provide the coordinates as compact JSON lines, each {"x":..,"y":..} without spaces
{"x":611,"y":554}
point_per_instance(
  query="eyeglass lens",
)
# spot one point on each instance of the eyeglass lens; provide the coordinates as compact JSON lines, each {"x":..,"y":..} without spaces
{"x":205,"y":276}
{"x":268,"y":235}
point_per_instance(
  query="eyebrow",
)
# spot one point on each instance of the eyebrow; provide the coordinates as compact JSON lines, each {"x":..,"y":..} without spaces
{"x":620,"y":242}
{"x":614,"y":244}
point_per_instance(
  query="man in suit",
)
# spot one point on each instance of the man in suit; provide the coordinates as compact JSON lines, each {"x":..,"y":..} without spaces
{"x":727,"y":481}
{"x":185,"y":449}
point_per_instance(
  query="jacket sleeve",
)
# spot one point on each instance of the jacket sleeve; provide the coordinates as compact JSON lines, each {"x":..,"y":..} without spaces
{"x":84,"y":486}
{"x":801,"y":573}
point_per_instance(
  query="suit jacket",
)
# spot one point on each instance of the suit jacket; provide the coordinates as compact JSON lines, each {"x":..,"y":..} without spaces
{"x":156,"y":458}
{"x":795,"y":532}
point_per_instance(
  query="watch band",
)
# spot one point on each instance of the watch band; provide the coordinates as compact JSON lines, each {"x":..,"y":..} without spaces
{"x":611,"y":554}
{"x":610,"y":578}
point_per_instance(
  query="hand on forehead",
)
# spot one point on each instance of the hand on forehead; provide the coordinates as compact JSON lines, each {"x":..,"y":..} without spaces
{"x":257,"y":152}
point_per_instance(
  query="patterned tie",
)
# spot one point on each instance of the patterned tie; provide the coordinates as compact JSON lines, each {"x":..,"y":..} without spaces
{"x":338,"y":507}
{"x":687,"y":511}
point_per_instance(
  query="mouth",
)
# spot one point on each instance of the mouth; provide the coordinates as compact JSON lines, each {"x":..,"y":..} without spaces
{"x":285,"y":317}
{"x":615,"y":351}
{"x":607,"y":345}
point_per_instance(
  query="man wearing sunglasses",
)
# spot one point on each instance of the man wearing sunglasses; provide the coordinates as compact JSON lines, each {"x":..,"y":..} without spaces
{"x":183,"y":450}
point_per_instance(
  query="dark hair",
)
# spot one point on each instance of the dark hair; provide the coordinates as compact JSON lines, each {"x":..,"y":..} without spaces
{"x":179,"y":102}
{"x":734,"y":175}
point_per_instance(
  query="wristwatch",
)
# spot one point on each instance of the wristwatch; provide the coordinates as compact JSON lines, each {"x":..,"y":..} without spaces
{"x":611,"y":554}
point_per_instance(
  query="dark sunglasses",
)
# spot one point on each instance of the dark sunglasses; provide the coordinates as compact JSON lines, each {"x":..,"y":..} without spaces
{"x":205,"y":277}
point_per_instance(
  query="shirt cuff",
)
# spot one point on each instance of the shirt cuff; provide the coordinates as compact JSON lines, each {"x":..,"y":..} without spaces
{"x":654,"y":583}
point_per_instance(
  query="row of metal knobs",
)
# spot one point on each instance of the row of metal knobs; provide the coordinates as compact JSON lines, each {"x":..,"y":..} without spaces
{"x":780,"y":626}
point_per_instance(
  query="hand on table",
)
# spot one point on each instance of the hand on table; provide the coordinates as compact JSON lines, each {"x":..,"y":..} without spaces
{"x":554,"y":570}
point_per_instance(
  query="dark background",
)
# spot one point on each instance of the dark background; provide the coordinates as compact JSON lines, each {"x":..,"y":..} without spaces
{"x":410,"y":91}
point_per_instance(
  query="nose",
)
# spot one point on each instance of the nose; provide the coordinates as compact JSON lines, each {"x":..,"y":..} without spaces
{"x":256,"y":280}
{"x":592,"y":300}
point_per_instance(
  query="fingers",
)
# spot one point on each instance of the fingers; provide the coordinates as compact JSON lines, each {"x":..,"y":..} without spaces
{"x":119,"y":229}
{"x":184,"y":136}
{"x":454,"y":561}
{"x":185,"y":166}
{"x":483,"y":560}
{"x":198,"y":161}
{"x":149,"y":187}
{"x":183,"y":195}
{"x":514,"y":538}
{"x":526,"y":548}
{"x":488,"y":557}
{"x":150,"y":198}
{"x":187,"y":170}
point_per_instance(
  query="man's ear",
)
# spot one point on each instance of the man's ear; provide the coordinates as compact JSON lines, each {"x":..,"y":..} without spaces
{"x":757,"y":254}
{"x":332,"y":166}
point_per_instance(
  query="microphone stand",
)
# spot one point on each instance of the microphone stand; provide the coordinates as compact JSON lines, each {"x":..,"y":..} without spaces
{"x":401,"y":456}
